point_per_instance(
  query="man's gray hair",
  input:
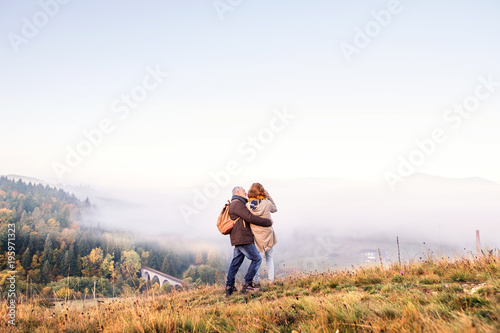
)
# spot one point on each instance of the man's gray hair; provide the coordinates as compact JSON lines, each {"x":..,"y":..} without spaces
{"x":236,"y":189}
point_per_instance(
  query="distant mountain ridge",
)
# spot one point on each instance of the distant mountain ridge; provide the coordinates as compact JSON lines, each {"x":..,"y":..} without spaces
{"x":26,"y":179}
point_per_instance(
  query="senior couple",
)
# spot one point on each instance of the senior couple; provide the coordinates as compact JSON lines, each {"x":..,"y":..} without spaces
{"x":252,"y":234}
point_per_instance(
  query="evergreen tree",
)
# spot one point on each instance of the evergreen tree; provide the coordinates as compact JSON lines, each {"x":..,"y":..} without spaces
{"x":155,"y":261}
{"x":27,"y":259}
{"x":64,"y":218}
{"x":79,"y":265}
{"x":74,"y":265}
{"x":65,"y":264}
{"x":29,"y":203}
{"x":24,"y":219}
{"x":36,"y":216}
{"x":56,"y":261}
{"x":47,"y":250}
{"x":46,"y":272}
{"x":168,"y":265}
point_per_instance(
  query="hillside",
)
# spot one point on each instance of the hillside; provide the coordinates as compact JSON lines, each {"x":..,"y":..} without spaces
{"x":56,"y":255}
{"x":429,"y":296}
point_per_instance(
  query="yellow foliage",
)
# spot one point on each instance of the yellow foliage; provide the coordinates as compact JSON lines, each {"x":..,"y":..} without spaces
{"x":35,"y":262}
{"x":46,"y":292}
{"x":53,"y":224}
{"x":67,"y":237}
{"x":65,"y":293}
{"x":6,"y":215}
{"x":96,"y":256}
{"x":26,"y":230}
{"x":3,"y":277}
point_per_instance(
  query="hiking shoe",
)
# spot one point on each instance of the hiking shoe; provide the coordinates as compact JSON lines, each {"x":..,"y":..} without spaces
{"x":247,"y":287}
{"x":256,"y":285}
{"x":230,"y":290}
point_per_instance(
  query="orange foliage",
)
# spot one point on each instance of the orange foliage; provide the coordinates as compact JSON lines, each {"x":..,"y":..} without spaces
{"x":67,"y":237}
{"x":6,"y":215}
{"x":44,"y":208}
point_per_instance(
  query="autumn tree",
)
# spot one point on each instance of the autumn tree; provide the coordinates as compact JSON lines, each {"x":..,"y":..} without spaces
{"x":108,"y":267}
{"x":130,"y":263}
{"x":91,"y":264}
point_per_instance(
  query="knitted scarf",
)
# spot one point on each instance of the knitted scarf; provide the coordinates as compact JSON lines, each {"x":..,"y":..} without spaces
{"x":237,"y":197}
{"x":254,"y":202}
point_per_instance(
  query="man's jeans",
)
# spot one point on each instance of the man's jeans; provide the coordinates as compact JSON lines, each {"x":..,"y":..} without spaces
{"x":269,"y":265}
{"x":240,"y":252}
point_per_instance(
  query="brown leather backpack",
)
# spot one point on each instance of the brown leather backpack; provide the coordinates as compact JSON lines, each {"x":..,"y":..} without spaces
{"x":224,"y":223}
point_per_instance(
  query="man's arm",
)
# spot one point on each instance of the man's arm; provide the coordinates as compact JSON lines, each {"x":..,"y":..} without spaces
{"x":242,"y":211}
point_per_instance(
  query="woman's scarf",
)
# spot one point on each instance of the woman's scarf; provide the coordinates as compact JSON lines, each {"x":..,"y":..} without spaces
{"x":254,"y":202}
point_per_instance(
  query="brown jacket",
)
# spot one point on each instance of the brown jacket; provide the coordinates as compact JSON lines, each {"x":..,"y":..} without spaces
{"x":241,"y":233}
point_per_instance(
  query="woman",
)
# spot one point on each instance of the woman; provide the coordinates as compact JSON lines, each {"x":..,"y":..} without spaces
{"x":261,"y":204}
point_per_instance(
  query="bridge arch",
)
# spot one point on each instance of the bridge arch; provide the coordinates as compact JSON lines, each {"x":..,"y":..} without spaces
{"x":155,"y":279}
{"x":148,"y":273}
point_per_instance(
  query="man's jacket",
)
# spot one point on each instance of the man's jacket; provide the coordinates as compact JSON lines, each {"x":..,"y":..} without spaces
{"x":241,"y":233}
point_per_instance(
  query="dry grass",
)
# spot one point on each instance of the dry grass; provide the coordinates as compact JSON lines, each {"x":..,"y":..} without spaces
{"x":433,"y":296}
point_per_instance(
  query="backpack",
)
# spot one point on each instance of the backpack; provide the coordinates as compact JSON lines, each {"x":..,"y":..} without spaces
{"x":224,"y":223}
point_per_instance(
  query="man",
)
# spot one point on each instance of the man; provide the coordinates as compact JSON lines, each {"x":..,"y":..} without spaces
{"x":243,"y":241}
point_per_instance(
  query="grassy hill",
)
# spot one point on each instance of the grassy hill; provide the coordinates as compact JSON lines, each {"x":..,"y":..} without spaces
{"x":442,"y":295}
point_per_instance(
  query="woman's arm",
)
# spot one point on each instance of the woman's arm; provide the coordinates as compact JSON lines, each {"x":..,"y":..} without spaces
{"x":272,"y":205}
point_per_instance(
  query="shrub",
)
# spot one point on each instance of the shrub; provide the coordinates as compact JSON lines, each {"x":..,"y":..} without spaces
{"x":398,"y":279}
{"x":315,"y":286}
{"x":46,"y":292}
{"x":65,"y":293}
{"x":461,"y":275}
{"x":367,"y":280}
{"x":432,"y":279}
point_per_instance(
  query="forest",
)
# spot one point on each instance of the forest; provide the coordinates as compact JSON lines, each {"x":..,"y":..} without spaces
{"x":58,"y":256}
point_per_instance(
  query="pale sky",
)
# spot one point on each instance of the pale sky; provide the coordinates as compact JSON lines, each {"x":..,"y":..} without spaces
{"x":226,"y":78}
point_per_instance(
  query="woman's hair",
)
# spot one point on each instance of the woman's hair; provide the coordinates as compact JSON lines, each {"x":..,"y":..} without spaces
{"x":256,"y":190}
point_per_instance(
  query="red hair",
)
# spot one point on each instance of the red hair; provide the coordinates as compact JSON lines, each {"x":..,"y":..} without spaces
{"x":257,"y":190}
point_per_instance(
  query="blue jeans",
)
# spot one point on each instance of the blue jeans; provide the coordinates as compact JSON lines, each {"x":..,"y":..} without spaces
{"x":240,"y":252}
